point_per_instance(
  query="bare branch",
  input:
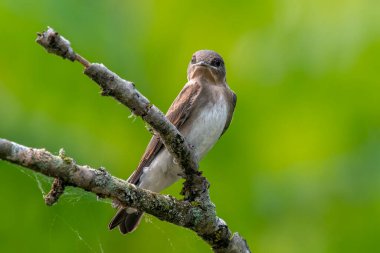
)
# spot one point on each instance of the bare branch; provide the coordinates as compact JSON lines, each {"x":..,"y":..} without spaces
{"x":182,"y":213}
{"x":98,"y":181}
{"x":57,"y":44}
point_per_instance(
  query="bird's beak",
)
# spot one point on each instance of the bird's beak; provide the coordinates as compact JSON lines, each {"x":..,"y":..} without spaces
{"x":204,"y":64}
{"x":201,"y":63}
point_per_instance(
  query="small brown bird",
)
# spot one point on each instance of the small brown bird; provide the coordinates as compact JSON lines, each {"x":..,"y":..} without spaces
{"x":202,"y":112}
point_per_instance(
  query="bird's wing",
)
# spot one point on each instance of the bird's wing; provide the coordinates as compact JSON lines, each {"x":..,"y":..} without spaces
{"x":177,"y":114}
{"x":231,"y":96}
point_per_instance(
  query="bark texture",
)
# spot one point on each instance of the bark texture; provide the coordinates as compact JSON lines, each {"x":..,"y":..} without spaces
{"x":199,"y":217}
{"x":195,"y":212}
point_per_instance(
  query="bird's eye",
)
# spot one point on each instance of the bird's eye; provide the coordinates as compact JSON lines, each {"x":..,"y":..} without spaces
{"x":193,"y":59}
{"x":216,"y":62}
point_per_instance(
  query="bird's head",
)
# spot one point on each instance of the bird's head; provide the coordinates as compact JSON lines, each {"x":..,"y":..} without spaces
{"x":207,"y":64}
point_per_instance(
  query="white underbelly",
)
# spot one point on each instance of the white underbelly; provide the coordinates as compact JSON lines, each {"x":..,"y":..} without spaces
{"x":207,"y":128}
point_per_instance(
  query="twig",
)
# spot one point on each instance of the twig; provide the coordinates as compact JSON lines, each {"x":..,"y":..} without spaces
{"x":57,"y":189}
{"x":57,"y":44}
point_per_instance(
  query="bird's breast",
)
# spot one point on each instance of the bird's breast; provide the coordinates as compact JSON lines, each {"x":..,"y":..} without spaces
{"x":208,"y":126}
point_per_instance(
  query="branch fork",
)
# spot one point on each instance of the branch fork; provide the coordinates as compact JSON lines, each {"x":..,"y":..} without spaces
{"x":195,"y":212}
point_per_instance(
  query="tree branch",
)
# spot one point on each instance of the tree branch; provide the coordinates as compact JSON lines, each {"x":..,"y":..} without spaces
{"x":182,"y":213}
{"x":98,"y":181}
{"x":196,"y":212}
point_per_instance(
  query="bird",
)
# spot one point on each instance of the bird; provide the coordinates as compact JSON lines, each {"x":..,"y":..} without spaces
{"x":202,"y":112}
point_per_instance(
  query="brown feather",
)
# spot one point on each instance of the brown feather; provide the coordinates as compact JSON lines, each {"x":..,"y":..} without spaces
{"x":118,"y":218}
{"x":232,"y":98}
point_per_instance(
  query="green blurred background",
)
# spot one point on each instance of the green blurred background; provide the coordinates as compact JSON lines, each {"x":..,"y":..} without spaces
{"x":298,"y":170}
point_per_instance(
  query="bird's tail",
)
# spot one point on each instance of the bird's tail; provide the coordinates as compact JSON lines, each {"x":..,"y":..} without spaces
{"x":127,"y":222}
